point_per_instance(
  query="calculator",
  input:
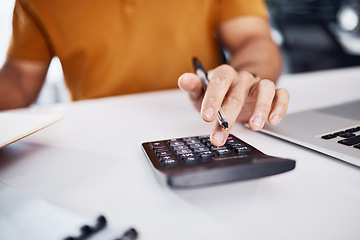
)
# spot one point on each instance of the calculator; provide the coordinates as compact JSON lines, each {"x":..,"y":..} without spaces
{"x":194,"y":161}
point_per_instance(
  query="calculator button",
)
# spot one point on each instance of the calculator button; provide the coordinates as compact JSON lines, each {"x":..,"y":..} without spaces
{"x":181,"y":147}
{"x":231,"y":142}
{"x":183,"y":151}
{"x":242,"y":149}
{"x":189,"y":158}
{"x":223,"y":152}
{"x":192,"y":141}
{"x":215,"y":148}
{"x":156,"y":145}
{"x":187,"y":155}
{"x":201,"y":149}
{"x":236,"y":145}
{"x":204,"y":137}
{"x":196,"y":145}
{"x":230,"y":138}
{"x":163,"y":153}
{"x":206,"y":154}
{"x":168,"y":161}
{"x":176,"y":143}
{"x":190,"y":138}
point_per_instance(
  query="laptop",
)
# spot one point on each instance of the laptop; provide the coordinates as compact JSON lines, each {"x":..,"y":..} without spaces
{"x":15,"y":126}
{"x":333,"y":130}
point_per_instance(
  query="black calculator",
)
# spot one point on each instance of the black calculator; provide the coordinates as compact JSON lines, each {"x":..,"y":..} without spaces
{"x":194,"y":161}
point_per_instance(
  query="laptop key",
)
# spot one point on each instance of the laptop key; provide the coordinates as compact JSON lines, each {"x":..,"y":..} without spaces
{"x":352,"y":130}
{"x":347,"y":135}
{"x":357,"y":146}
{"x":339,"y":133}
{"x":350,"y":141}
{"x":329,"y":136}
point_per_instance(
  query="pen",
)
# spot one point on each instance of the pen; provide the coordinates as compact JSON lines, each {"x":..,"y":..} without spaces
{"x":200,"y":71}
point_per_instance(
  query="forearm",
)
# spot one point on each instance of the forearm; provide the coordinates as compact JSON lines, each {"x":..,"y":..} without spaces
{"x":20,"y":83}
{"x":258,"y":55}
{"x":251,"y":46}
{"x":11,"y":95}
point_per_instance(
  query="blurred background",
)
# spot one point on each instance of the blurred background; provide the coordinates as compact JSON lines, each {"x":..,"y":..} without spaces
{"x":313,"y":35}
{"x":317,"y":34}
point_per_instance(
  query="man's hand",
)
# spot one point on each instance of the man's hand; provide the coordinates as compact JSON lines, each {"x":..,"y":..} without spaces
{"x":243,"y":98}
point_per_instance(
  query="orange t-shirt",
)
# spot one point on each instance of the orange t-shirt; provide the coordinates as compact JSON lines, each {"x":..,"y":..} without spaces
{"x":112,"y":47}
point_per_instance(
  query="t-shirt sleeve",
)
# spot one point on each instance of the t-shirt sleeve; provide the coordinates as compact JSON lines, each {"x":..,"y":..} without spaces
{"x":28,"y":39}
{"x":234,"y":8}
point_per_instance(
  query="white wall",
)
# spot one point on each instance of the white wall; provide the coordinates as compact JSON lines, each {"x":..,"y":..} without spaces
{"x":6,"y":8}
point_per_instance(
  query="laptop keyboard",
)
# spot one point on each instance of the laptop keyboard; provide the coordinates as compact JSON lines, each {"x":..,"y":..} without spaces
{"x":348,"y":137}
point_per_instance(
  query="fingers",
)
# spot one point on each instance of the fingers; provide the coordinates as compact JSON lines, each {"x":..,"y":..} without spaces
{"x":219,"y":135}
{"x":280,"y":105}
{"x":271,"y":104}
{"x":257,"y":99}
{"x":232,"y":104}
{"x":191,"y":83}
{"x":242,"y":97}
{"x":220,"y":80}
{"x":264,"y":92}
{"x":237,"y":95}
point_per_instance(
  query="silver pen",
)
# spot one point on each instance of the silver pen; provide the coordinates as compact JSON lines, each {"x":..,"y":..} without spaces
{"x":200,"y":71}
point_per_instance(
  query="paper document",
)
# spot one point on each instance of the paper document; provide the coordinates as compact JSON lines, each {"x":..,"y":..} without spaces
{"x":15,"y":126}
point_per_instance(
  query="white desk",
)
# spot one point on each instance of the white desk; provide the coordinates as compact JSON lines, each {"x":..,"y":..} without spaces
{"x":91,"y":162}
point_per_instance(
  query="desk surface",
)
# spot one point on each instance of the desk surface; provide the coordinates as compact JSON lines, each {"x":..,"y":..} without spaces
{"x":91,"y":162}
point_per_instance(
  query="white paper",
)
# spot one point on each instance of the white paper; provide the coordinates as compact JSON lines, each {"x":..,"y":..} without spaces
{"x":15,"y":126}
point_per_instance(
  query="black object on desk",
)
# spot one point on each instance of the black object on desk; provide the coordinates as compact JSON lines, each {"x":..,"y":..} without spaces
{"x":87,"y":231}
{"x":194,"y":161}
{"x":130,"y":234}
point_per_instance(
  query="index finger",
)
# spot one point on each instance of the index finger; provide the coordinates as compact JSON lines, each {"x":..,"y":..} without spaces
{"x":220,"y":80}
